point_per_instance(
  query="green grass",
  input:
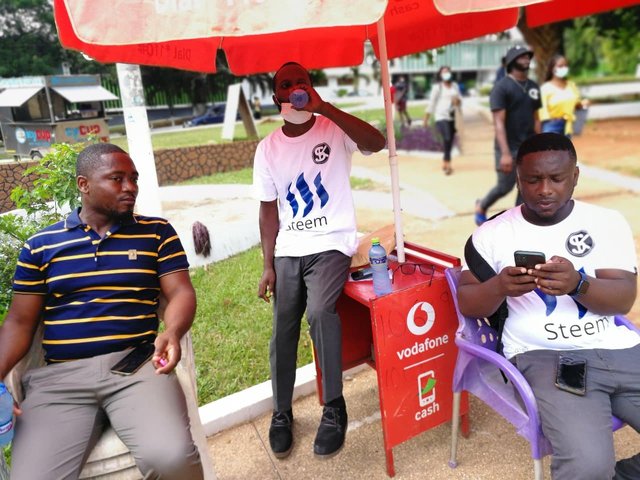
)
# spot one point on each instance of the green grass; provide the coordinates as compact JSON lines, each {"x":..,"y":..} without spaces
{"x":238,"y":177}
{"x":232,"y":327}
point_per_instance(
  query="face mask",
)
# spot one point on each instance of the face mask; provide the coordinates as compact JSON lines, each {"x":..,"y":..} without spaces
{"x":446,"y":76}
{"x":294,"y":116}
{"x":561,"y":72}
{"x":519,"y":67}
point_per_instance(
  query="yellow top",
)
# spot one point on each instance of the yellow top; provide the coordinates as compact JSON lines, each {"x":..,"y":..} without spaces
{"x":559,"y":103}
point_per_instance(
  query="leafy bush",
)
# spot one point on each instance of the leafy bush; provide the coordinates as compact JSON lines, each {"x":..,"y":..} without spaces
{"x":54,"y":193}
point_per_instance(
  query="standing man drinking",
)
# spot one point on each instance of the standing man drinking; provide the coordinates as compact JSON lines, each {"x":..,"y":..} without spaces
{"x":308,"y":234}
{"x":514,"y":102}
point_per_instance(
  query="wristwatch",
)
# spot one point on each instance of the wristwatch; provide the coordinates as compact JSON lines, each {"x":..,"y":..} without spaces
{"x":582,"y":287}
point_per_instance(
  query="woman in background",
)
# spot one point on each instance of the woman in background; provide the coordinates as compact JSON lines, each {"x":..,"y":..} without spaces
{"x":560,"y":98}
{"x":443,"y":102}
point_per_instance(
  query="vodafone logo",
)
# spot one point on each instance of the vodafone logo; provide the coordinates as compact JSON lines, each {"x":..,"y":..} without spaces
{"x":420,"y":310}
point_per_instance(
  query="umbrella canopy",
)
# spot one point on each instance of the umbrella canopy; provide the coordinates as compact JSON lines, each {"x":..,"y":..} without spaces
{"x":260,"y":36}
{"x":115,"y":31}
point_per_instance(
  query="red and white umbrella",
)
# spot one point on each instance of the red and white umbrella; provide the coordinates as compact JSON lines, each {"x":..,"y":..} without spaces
{"x":258,"y":36}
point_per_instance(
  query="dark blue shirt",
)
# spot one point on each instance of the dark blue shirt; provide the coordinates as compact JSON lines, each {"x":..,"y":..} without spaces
{"x":101,"y":294}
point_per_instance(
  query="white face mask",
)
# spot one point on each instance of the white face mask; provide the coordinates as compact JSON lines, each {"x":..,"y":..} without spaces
{"x":446,"y":76}
{"x":294,"y":116}
{"x":561,"y":72}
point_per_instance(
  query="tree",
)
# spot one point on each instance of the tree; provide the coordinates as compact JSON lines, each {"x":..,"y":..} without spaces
{"x":601,"y":43}
{"x":29,"y":42}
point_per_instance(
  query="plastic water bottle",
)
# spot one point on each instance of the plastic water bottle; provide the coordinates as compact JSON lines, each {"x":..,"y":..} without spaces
{"x":378,"y":261}
{"x":6,"y":416}
{"x":299,"y":98}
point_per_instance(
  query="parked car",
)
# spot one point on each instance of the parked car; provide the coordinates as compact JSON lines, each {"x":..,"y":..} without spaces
{"x":214,"y":114}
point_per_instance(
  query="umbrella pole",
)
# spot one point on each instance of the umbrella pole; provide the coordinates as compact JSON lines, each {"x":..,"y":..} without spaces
{"x":391,"y":139}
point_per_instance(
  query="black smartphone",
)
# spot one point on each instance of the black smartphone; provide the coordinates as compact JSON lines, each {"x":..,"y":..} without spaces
{"x":527,"y":259}
{"x":362,"y":274}
{"x":135,"y":359}
{"x":571,"y":375}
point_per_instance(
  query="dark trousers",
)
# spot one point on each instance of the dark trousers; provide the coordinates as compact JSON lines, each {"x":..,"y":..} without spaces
{"x":312,"y":283}
{"x":447,"y":131}
{"x":579,"y":427}
{"x":504,"y":185}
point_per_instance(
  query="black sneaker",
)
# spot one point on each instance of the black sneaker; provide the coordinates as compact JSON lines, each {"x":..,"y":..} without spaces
{"x":280,"y":433}
{"x":333,"y":428}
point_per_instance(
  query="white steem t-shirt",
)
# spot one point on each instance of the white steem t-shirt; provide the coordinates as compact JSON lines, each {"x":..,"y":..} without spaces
{"x":309,"y":176}
{"x":592,"y":238}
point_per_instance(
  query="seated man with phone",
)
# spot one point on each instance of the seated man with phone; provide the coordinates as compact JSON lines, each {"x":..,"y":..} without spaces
{"x":565,"y":269}
{"x":95,"y":280}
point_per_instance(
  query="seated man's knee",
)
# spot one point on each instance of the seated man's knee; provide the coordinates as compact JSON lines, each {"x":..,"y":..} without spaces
{"x":171,"y":462}
{"x":585,"y":467}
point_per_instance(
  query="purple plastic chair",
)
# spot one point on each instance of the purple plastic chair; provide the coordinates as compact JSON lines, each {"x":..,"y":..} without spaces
{"x":477,"y":371}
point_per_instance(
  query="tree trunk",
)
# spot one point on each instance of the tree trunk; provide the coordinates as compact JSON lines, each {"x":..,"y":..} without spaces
{"x":545,"y":41}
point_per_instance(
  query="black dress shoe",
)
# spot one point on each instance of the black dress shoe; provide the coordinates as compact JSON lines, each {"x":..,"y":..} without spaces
{"x":333,"y":428}
{"x":280,"y":433}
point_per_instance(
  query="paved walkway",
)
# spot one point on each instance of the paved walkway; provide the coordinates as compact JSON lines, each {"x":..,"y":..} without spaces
{"x":441,"y":219}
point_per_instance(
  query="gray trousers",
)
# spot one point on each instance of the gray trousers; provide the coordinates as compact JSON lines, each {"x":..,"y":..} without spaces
{"x":67,"y":406}
{"x":579,"y":427}
{"x":504,"y":185}
{"x":313,"y":282}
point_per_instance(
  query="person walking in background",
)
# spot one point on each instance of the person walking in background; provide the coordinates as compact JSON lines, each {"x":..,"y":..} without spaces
{"x":560,"y":98}
{"x":444,"y":103}
{"x":308,"y":235}
{"x":501,"y":71}
{"x":257,"y":108}
{"x":401,"y":94}
{"x":514,"y":102}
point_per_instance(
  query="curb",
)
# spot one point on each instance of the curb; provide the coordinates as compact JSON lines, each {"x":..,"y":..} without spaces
{"x":248,"y":404}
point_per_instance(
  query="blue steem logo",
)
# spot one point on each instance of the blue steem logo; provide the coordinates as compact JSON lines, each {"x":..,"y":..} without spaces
{"x":551,"y":302}
{"x":306,"y":194}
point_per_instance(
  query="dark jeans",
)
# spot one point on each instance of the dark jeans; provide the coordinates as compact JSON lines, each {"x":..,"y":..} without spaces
{"x":504,"y":185}
{"x":447,"y":131}
{"x":555,"y":125}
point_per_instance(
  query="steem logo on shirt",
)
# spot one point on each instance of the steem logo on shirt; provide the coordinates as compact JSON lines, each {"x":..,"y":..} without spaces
{"x":307,"y":194}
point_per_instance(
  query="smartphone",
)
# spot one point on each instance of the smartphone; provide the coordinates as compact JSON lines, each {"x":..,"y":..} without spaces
{"x":571,"y":375}
{"x":527,"y":259}
{"x":135,"y":359}
{"x":362,"y":274}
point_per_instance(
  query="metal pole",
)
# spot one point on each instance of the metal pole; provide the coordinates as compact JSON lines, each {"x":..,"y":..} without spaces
{"x":139,"y":138}
{"x":391,"y":140}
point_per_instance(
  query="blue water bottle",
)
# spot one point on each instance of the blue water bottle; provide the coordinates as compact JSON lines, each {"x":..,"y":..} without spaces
{"x":6,"y":416}
{"x":299,"y":98}
{"x":378,"y":261}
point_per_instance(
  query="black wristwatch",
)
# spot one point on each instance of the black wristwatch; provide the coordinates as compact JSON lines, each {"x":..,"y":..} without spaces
{"x":582,"y":287}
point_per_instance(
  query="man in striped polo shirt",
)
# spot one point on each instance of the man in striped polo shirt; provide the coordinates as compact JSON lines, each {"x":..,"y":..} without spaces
{"x":95,"y":280}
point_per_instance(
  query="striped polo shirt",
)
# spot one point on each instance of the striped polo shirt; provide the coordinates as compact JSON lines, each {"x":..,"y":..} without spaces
{"x":101,"y":293}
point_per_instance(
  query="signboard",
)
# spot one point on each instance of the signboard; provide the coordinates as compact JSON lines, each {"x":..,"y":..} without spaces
{"x":415,"y":355}
{"x":237,"y":102}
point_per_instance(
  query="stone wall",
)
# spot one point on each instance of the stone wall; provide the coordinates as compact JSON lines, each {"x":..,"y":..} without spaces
{"x":173,"y":165}
{"x":178,"y":164}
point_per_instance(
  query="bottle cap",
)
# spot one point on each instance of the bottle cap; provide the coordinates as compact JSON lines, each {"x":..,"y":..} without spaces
{"x":298,"y":98}
{"x":375,"y":241}
{"x":3,"y":388}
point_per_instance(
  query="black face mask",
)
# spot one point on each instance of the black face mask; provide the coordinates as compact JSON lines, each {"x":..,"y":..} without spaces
{"x":520,"y":68}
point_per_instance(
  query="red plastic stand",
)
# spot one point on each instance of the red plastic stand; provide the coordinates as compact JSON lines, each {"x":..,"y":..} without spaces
{"x":408,"y":337}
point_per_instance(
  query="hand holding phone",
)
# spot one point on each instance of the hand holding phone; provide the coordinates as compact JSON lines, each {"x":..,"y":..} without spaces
{"x":528,"y":259}
{"x":134,"y":360}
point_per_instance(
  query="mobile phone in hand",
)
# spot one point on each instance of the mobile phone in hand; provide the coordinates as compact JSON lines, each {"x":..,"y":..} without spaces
{"x":528,"y":259}
{"x":134,"y":360}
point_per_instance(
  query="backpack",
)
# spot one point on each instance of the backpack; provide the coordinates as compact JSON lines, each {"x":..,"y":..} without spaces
{"x":483,"y":272}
